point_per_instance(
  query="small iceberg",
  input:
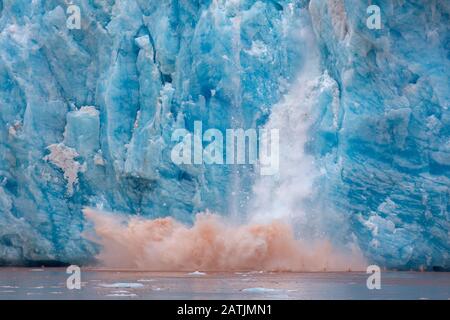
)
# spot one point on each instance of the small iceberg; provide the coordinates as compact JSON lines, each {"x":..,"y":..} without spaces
{"x":122,"y":285}
{"x":197,"y":273}
{"x":158,"y":289}
{"x":145,"y":280}
{"x":122,"y":295}
{"x":261,"y":290}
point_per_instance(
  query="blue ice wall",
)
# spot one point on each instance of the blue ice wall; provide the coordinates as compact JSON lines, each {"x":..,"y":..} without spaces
{"x":86,"y":116}
{"x":390,"y":153}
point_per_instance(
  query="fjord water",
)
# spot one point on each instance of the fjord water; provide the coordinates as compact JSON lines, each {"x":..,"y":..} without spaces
{"x":50,"y":283}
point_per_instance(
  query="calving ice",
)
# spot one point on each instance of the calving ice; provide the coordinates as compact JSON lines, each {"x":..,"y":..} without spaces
{"x":250,"y":146}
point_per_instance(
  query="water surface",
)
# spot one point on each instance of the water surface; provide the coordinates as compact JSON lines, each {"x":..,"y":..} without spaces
{"x":50,"y":283}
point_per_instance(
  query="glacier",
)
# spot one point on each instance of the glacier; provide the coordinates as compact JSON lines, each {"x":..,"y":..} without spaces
{"x":86,"y":117}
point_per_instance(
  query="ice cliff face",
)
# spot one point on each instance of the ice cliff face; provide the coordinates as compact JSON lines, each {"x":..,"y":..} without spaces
{"x":389,"y":155}
{"x":86,"y":118}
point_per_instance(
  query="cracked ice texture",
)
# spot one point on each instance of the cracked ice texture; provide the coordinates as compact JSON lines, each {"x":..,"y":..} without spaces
{"x":86,"y":117}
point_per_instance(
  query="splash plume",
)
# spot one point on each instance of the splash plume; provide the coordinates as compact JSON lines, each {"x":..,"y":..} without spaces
{"x":211,"y":244}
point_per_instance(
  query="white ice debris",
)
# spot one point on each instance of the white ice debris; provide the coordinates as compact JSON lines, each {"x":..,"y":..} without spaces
{"x":64,"y":158}
{"x":258,"y":49}
{"x":260,"y":290}
{"x":197,"y":273}
{"x":122,"y":285}
{"x":122,"y":295}
{"x":98,"y":158}
{"x":90,"y":110}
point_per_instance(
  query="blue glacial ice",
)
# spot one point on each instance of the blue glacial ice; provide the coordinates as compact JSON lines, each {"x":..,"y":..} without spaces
{"x":86,"y":118}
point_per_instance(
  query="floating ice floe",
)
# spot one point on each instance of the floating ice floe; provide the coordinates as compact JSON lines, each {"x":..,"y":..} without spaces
{"x":122,"y":285}
{"x":145,"y":280}
{"x":261,"y":290}
{"x":122,"y":295}
{"x":197,"y":273}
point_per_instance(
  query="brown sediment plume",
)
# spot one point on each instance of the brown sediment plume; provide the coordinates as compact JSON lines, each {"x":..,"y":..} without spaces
{"x":211,"y":244}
